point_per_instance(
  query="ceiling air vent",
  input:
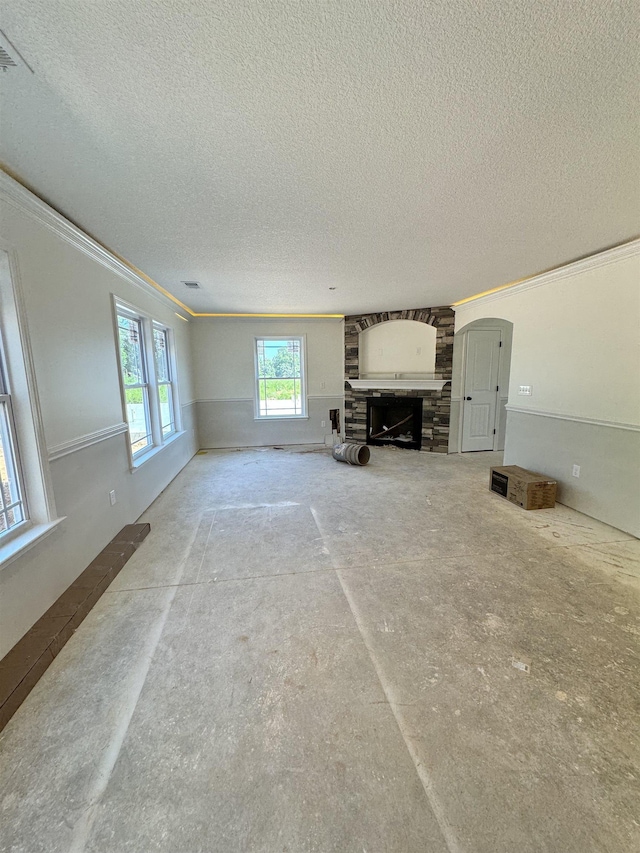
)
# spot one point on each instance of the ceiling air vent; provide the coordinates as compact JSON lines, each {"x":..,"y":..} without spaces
{"x":10,"y":59}
{"x":191,"y":284}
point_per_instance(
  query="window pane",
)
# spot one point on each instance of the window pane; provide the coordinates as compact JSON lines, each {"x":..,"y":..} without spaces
{"x":279,"y":377}
{"x":278,"y":359}
{"x":11,"y":509}
{"x":166,"y":409}
{"x":280,"y":397}
{"x":15,"y":515}
{"x":137,"y":400}
{"x":161,"y":353}
{"x":4,"y":388}
{"x":130,"y":334}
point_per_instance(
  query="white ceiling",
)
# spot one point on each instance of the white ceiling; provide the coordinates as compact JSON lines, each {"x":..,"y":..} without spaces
{"x":407,"y":153}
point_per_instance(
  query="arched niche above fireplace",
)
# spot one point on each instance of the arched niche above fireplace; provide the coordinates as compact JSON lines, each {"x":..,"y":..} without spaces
{"x":398,"y":349}
{"x":398,"y":354}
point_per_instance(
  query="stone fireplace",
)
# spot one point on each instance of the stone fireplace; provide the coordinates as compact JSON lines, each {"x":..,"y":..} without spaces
{"x":363,"y":421}
{"x":395,"y":420}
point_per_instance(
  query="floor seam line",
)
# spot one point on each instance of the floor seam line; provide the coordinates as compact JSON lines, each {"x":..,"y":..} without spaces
{"x":228,"y":580}
{"x":436,"y":809}
{"x":82,"y":828}
{"x":359,"y":566}
{"x":204,"y":551}
{"x":490,"y":553}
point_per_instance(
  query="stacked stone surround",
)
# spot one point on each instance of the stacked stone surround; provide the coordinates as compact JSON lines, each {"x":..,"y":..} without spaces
{"x":436,"y":405}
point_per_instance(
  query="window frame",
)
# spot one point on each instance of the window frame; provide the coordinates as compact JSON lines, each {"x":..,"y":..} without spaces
{"x":24,"y":416}
{"x":13,"y":461}
{"x":302,"y":341}
{"x":144,"y":386}
{"x":151,"y":387}
{"x":170,"y":382}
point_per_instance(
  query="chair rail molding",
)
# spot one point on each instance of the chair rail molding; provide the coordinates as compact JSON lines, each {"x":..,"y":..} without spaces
{"x":57,"y":451}
{"x":521,"y":410}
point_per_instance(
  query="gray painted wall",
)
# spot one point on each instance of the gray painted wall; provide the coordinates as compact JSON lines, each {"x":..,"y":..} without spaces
{"x":223,"y":350}
{"x":609,"y":485}
{"x":230,"y":423}
{"x":576,"y":342}
{"x":68,"y":309}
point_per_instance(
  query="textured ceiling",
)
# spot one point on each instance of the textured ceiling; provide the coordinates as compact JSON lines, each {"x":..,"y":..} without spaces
{"x":405,"y":153}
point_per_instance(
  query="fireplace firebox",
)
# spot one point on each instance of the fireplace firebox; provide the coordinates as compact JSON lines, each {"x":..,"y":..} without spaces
{"x":396,"y":421}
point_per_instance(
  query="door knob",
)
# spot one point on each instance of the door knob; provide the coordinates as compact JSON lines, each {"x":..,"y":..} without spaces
{"x":467,"y":398}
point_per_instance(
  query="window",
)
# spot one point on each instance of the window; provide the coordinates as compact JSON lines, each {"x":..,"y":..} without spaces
{"x":164,"y":379}
{"x":12,"y":506}
{"x":280,"y":381}
{"x":27,"y":504}
{"x":134,"y":379}
{"x":147,"y":371}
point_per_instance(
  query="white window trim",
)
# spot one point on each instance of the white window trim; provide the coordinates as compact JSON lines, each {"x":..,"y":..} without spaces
{"x":148,"y":322}
{"x":10,"y":437}
{"x":171,"y":383}
{"x":146,"y":386}
{"x":40,"y":508}
{"x":303,"y":378}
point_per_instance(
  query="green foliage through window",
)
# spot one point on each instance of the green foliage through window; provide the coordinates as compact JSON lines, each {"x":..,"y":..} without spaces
{"x":278,"y":359}
{"x":279,"y":379}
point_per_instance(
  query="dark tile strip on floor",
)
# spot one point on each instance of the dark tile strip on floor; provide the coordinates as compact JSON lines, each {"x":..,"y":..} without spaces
{"x":27,"y":661}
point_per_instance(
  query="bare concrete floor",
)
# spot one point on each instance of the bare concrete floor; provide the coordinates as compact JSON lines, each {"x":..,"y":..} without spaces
{"x":305,"y":656}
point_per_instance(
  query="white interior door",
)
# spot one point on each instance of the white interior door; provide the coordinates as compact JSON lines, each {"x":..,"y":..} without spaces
{"x":480,"y":389}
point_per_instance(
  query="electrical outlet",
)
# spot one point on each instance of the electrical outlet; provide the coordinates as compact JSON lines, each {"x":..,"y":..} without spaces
{"x":112,"y":497}
{"x":525,"y":390}
{"x":418,"y":350}
{"x":323,"y":385}
{"x":576,"y":471}
{"x":323,"y":423}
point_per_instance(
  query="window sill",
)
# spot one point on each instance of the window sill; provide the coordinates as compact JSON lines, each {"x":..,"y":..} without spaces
{"x":17,"y":546}
{"x":140,"y":460}
{"x":267,"y":418}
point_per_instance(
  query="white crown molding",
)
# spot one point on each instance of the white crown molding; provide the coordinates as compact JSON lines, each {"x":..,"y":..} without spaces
{"x":562,"y":417}
{"x":75,"y":444}
{"x":24,"y":200}
{"x":593,"y":262}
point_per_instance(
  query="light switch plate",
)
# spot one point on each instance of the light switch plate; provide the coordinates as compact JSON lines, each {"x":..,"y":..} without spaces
{"x":525,"y":390}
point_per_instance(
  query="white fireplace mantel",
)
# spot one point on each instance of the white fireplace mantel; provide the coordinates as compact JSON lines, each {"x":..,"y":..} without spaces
{"x":400,"y":384}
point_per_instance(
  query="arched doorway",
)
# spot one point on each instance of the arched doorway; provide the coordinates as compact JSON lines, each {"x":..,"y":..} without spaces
{"x":480,"y":385}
